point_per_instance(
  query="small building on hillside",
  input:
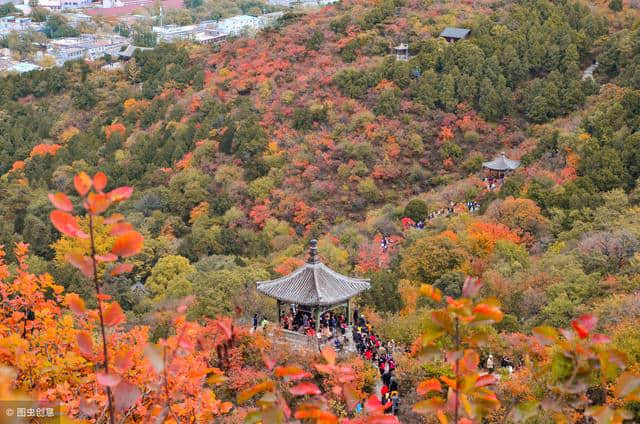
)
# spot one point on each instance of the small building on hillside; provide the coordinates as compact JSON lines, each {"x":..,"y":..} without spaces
{"x":130,"y":50}
{"x":452,"y":34}
{"x":402,"y":52}
{"x":237,"y":24}
{"x":500,"y":166}
{"x":314,"y":289}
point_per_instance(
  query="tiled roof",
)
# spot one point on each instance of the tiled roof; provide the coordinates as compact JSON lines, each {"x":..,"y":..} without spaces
{"x":502,"y":163}
{"x":451,"y":32}
{"x":313,"y":284}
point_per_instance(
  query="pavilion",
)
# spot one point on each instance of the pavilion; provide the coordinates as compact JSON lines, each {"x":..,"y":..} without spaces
{"x":500,"y":166}
{"x":452,"y":34}
{"x":315,"y":287}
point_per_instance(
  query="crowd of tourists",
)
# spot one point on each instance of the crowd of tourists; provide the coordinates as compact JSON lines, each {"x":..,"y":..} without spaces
{"x":471,"y":207}
{"x":372,"y":348}
{"x":493,"y":183}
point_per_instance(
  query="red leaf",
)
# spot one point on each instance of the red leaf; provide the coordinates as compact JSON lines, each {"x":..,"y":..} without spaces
{"x":85,"y":343}
{"x":600,"y":338}
{"x":108,"y":257}
{"x":305,"y":388}
{"x":329,"y":355}
{"x":123,"y":360}
{"x":584,"y":325}
{"x":97,"y":203}
{"x":293,"y":372}
{"x":384,"y":419}
{"x":83,"y":263}
{"x":486,"y":380}
{"x":351,"y":396}
{"x":88,"y":408}
{"x":471,"y":287}
{"x":486,"y":312}
{"x":120,"y":228}
{"x":116,"y":217}
{"x":103,"y":296}
{"x":268,"y":362}
{"x":121,"y":269}
{"x":82,"y":182}
{"x":582,"y":331}
{"x":125,"y":395}
{"x":224,"y":325}
{"x":113,"y":315}
{"x":75,"y":303}
{"x":99,"y":181}
{"x":285,"y":408}
{"x":373,"y":405}
{"x":61,"y":201}
{"x":432,"y":385}
{"x":67,"y":224}
{"x":109,"y":380}
{"x":120,"y":194}
{"x":128,"y":244}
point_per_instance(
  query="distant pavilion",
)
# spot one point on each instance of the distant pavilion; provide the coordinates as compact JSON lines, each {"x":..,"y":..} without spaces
{"x":402,"y":52}
{"x":314,"y":288}
{"x":500,"y":166}
{"x":452,"y":34}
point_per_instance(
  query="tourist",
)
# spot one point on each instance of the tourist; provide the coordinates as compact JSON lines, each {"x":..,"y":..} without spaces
{"x":255,"y":322}
{"x":386,"y":401}
{"x":264,"y":324}
{"x":395,"y":402}
{"x":393,"y":384}
{"x":391,"y":346}
{"x":490,"y":364}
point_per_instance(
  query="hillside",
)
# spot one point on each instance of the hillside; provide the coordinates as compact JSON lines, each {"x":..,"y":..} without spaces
{"x":240,"y":153}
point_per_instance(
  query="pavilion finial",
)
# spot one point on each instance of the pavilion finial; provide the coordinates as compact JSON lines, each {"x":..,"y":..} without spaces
{"x":313,"y":252}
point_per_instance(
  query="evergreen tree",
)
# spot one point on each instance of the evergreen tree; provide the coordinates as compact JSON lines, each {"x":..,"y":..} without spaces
{"x":447,"y":96}
{"x":615,"y":5}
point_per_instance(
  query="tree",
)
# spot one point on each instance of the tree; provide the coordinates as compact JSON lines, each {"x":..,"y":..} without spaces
{"x":170,"y":278}
{"x":84,"y":96}
{"x":133,"y":71}
{"x":447,"y":96}
{"x":57,"y":27}
{"x":615,"y":5}
{"x":430,"y":257}
{"x":416,"y":209}
{"x":192,"y":4}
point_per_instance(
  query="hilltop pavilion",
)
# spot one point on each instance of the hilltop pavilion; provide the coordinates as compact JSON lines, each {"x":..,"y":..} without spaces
{"x":501,"y":166}
{"x":314,"y":287}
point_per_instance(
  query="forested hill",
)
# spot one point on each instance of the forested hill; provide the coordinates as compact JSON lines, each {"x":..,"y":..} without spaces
{"x":240,"y":153}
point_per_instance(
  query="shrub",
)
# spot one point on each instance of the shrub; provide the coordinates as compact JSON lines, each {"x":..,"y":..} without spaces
{"x":416,"y":209}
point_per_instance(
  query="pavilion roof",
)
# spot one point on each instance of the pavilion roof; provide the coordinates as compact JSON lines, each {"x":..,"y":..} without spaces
{"x":452,"y":32}
{"x":502,"y":163}
{"x":313,"y":284}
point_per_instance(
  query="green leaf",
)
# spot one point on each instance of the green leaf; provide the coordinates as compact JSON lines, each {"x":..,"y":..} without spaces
{"x":524,"y":410}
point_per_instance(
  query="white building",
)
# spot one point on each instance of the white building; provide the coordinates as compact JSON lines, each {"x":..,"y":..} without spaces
{"x":203,"y":33}
{"x":301,"y":3}
{"x":13,"y":23}
{"x":85,"y":47}
{"x":169,"y":33}
{"x":64,"y":4}
{"x":237,"y":24}
{"x":9,"y":65}
{"x":269,"y":18}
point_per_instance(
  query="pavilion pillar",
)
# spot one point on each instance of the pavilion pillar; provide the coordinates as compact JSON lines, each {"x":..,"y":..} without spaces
{"x":318,"y":319}
{"x":348,"y":312}
{"x":278,"y":303}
